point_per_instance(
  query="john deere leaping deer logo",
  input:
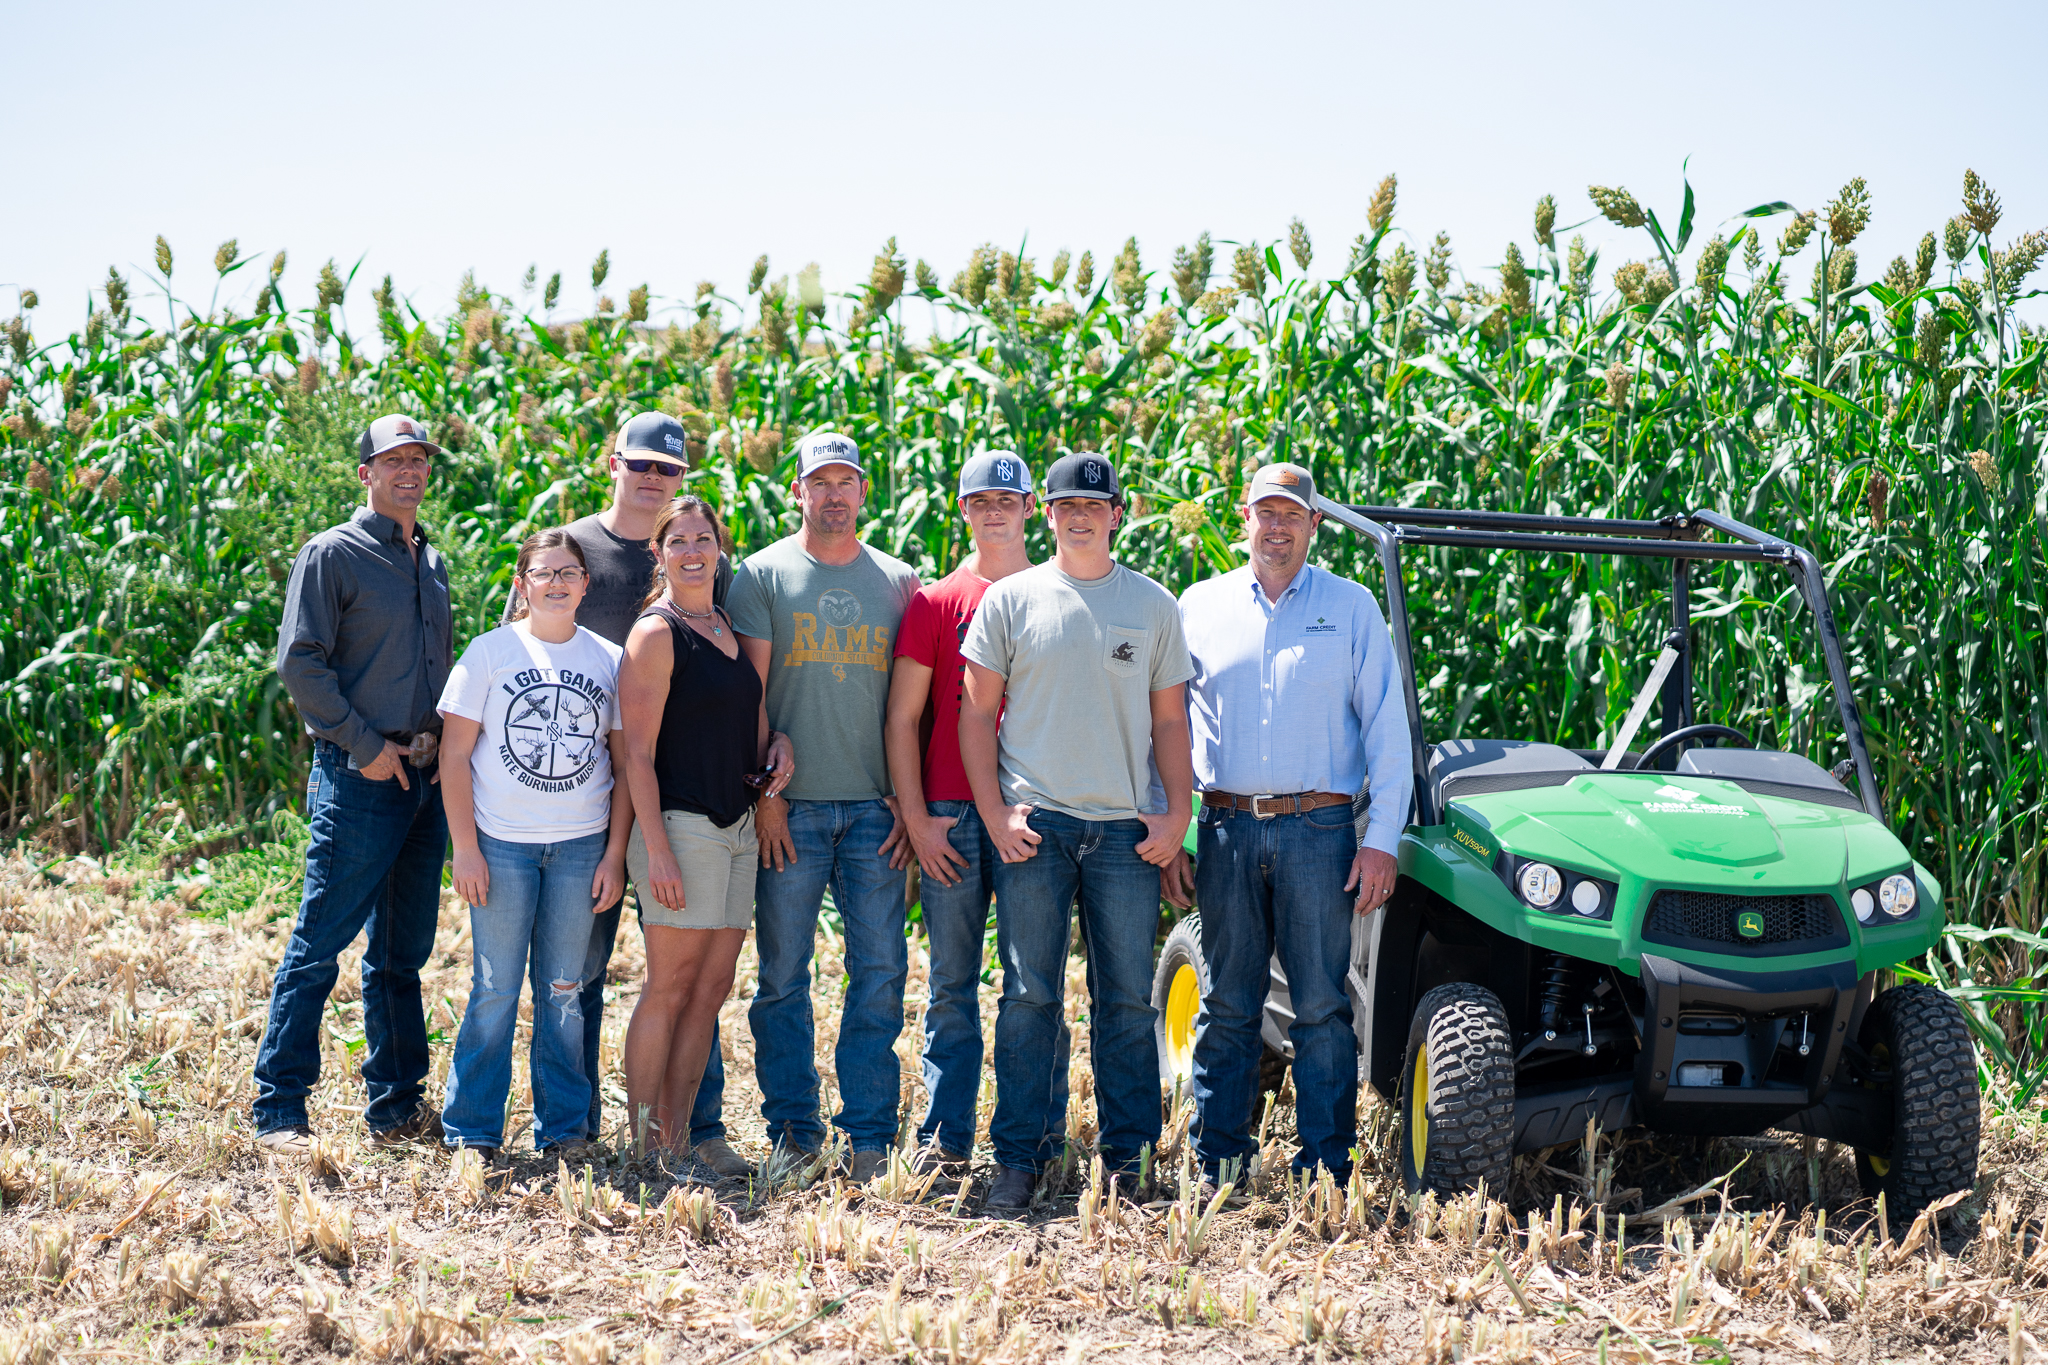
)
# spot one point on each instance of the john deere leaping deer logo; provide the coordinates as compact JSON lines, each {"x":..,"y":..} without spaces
{"x":1125,"y":653}
{"x":1749,"y":923}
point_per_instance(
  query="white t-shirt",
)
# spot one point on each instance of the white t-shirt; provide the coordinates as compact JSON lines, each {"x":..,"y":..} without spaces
{"x":542,"y":768}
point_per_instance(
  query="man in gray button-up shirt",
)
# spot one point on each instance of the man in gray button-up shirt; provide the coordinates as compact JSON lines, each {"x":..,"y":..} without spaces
{"x":366,"y":646}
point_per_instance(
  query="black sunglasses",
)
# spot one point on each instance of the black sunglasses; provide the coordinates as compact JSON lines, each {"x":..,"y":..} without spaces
{"x":661,"y":467}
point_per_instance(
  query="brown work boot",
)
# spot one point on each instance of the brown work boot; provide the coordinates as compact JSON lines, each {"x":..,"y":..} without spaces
{"x":1011,"y":1193}
{"x":862,"y":1167}
{"x":423,"y":1126}
{"x":718,"y":1154}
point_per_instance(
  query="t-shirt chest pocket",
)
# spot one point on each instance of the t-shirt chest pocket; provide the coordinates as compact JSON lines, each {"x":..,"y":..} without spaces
{"x":1126,"y":650}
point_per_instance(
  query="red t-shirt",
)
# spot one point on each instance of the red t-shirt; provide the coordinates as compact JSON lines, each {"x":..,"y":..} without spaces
{"x":934,"y":625}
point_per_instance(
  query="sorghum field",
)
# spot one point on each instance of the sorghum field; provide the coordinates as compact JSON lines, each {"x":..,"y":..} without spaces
{"x":161,"y":461}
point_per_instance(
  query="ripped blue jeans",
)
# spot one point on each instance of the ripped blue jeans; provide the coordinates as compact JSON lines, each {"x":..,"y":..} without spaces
{"x":538,"y":913}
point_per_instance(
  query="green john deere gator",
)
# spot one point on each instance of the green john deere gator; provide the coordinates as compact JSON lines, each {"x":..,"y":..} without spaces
{"x":1692,"y":937}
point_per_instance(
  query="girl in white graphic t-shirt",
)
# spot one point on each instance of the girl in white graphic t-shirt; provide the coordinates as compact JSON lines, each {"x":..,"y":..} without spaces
{"x":529,"y":747}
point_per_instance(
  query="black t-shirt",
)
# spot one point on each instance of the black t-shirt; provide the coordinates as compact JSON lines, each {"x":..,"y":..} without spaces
{"x":621,"y":572}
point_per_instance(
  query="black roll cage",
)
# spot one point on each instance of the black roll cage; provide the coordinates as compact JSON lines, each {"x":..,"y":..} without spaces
{"x":1676,"y":538}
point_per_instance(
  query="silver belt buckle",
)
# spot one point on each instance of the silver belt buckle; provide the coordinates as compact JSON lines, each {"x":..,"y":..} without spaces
{"x":1258,"y":814}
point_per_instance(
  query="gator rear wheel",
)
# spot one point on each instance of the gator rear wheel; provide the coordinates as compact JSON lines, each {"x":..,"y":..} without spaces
{"x":1919,"y":1039}
{"x":1179,"y":984}
{"x":1457,"y":1107}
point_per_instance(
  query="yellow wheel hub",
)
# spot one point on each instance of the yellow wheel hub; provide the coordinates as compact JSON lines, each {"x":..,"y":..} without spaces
{"x":1418,"y":1109}
{"x":1183,"y":1008}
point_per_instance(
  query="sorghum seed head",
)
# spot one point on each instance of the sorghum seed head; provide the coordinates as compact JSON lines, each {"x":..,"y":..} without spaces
{"x":1298,"y":244}
{"x":30,"y":299}
{"x":605,"y":305}
{"x":927,"y":278}
{"x":1752,"y":250}
{"x":224,"y":255}
{"x":2012,"y":265}
{"x":1436,"y":267}
{"x":1619,"y":377}
{"x":1399,"y":274}
{"x":600,"y":268}
{"x":636,"y":303}
{"x":163,"y":255}
{"x":724,"y":385}
{"x":1985,"y":470}
{"x":1877,"y":493}
{"x":277,"y":267}
{"x":1981,"y":208}
{"x":1712,"y":265}
{"x":1629,"y":279}
{"x":1514,"y":281}
{"x":885,"y":280}
{"x":1923,"y":262}
{"x":331,"y":289}
{"x":1546,"y":220}
{"x":1061,"y":262}
{"x":1248,"y":270}
{"x":110,"y":491}
{"x":1127,"y":277}
{"x":1898,"y":276}
{"x":309,"y":374}
{"x":1849,"y":212}
{"x":384,"y":295}
{"x":1793,"y":240}
{"x":1379,"y":210}
{"x":1158,"y":333}
{"x":1187,"y":517}
{"x":1192,"y":267}
{"x":1092,"y":362}
{"x":553,"y":291}
{"x":1618,"y":205}
{"x":1931,"y":340}
{"x":1578,"y":268}
{"x":117,"y":293}
{"x":810,"y":289}
{"x":757,"y":274}
{"x":38,"y":477}
{"x":1084,"y":274}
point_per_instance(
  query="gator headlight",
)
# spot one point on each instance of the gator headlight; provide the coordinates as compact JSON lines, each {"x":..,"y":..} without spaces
{"x":1586,"y":897}
{"x":1896,"y":895}
{"x":1540,"y":885}
{"x":1864,"y":904}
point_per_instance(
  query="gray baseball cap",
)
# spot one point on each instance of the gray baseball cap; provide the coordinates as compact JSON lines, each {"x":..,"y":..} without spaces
{"x":995,"y":471}
{"x":391,"y":432}
{"x":656,"y":433}
{"x":1289,"y":481}
{"x":821,"y":448}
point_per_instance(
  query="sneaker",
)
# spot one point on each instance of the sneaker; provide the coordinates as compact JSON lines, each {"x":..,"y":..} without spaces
{"x":865,"y":1166}
{"x":1012,"y":1190}
{"x":938,"y":1159}
{"x":423,"y":1126}
{"x":292,"y":1140}
{"x":718,"y":1154}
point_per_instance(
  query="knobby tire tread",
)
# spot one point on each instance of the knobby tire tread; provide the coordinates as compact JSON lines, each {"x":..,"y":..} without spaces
{"x":1936,"y":1121}
{"x":1472,"y":1089}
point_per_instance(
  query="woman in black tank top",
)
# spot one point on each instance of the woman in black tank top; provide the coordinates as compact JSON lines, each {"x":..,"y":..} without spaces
{"x":698,"y":749}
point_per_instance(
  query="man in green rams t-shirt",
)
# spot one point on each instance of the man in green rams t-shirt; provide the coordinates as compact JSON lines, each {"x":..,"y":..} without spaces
{"x":817,"y":613}
{"x":1085,"y":791}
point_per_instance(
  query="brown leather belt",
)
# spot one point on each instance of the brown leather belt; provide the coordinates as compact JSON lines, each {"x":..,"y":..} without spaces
{"x":1266,"y":807}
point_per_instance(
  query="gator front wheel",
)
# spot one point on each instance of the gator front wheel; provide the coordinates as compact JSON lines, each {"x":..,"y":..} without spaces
{"x":1457,"y":1106}
{"x":1179,"y":984}
{"x":1919,"y":1040}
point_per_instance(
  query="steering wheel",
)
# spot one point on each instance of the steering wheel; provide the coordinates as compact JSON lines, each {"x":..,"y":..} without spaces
{"x":1687,"y":735}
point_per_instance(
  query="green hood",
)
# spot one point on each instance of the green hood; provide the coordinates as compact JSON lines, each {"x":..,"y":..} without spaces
{"x":1647,"y":832}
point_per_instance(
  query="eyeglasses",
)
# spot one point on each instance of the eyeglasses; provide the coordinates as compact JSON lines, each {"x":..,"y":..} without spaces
{"x":568,"y":577}
{"x":661,"y":467}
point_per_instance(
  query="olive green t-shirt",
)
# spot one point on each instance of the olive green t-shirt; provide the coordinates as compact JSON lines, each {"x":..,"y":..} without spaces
{"x":833,"y":630}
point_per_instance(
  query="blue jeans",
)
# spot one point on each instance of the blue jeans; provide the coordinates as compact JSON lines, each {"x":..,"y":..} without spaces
{"x":707,"y":1118}
{"x":375,"y":866}
{"x":837,"y":844}
{"x":1096,"y":860}
{"x":539,"y":901}
{"x":1260,"y":882}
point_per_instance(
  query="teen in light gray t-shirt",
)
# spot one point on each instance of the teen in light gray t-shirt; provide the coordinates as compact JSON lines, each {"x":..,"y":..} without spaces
{"x":833,"y":628}
{"x":1082,"y":660}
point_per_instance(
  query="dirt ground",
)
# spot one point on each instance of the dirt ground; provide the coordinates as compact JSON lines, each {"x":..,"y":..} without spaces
{"x":142,"y":1222}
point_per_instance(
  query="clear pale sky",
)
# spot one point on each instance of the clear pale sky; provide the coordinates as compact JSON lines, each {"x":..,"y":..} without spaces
{"x":428,"y":138}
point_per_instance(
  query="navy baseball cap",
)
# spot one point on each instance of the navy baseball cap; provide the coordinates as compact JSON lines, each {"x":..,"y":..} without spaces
{"x":389,"y":433}
{"x":995,"y":471}
{"x":656,"y":433}
{"x":821,"y":448}
{"x":1083,"y":474}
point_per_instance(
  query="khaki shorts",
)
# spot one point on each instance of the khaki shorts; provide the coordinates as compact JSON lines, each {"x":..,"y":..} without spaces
{"x":718,"y":867}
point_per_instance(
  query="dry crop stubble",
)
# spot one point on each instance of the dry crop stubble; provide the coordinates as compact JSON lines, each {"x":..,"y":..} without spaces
{"x":194,"y":1245}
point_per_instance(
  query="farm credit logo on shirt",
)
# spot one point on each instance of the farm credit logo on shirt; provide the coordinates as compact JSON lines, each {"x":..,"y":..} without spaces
{"x":834,"y":635}
{"x":553,"y":727}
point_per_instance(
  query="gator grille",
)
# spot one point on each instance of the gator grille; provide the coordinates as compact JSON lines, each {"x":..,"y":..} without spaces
{"x":1710,"y":920}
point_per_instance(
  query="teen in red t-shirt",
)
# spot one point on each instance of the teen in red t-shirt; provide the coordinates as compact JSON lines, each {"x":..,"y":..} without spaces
{"x":953,"y":851}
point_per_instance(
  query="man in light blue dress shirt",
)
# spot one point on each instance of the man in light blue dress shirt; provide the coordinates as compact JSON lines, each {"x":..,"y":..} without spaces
{"x":1295,"y":706}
